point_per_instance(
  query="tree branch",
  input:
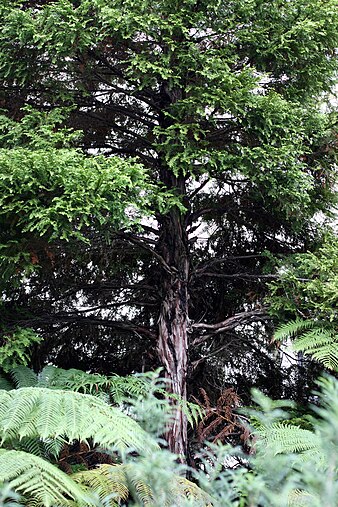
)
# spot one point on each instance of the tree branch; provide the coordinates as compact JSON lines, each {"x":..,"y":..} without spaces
{"x":146,"y":247}
{"x":240,"y":275}
{"x":81,"y":320}
{"x":248,"y":276}
{"x":229,"y":324}
{"x":213,"y":262}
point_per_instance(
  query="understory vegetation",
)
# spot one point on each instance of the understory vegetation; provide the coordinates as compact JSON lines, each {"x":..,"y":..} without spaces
{"x":62,"y":446}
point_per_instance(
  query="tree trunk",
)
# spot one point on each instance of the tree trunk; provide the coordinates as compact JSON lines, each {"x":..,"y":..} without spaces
{"x":173,"y":320}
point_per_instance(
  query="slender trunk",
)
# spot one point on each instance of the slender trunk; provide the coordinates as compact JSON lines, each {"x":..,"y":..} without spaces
{"x":173,"y":322}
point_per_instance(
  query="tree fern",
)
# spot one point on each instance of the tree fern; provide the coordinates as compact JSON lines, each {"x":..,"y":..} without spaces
{"x":119,"y":482}
{"x":47,"y":413}
{"x":116,"y":482}
{"x":118,"y":389}
{"x":20,"y":376}
{"x":72,"y":379}
{"x":35,"y":477}
{"x":292,"y":328}
{"x":282,"y":437}
{"x":23,"y":376}
{"x":309,"y":459}
{"x":316,"y":339}
{"x":105,"y":481}
{"x":46,"y":449}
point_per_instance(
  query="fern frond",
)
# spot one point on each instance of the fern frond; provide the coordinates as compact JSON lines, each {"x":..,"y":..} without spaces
{"x":292,"y":328}
{"x":119,"y":388}
{"x":119,"y":482}
{"x":285,"y":438}
{"x":72,"y":379}
{"x":141,"y":490}
{"x":321,"y":344}
{"x":113,"y":481}
{"x":23,"y":377}
{"x":5,"y":382}
{"x":46,"y":449}
{"x":105,"y":481}
{"x":34,"y":477}
{"x":316,"y":339}
{"x":133,"y":386}
{"x":190,"y":490}
{"x":31,"y":445}
{"x":48,"y":413}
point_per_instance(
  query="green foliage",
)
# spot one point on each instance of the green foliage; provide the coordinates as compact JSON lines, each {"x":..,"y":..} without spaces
{"x":13,"y":351}
{"x":8,"y":497}
{"x":37,"y":130}
{"x":290,"y":466}
{"x":119,"y":483}
{"x":119,"y":390}
{"x":316,"y":339}
{"x":309,"y":283}
{"x":69,"y":415}
{"x":36,"y":477}
{"x":167,"y":95}
{"x":52,"y":190}
{"x":287,"y":438}
{"x":318,"y":457}
{"x":307,"y":289}
{"x":35,"y":423}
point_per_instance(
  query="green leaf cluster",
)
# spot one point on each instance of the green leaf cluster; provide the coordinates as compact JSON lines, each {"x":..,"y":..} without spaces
{"x":14,"y":348}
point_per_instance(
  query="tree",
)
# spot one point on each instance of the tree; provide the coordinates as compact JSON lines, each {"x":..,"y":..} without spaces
{"x":218,"y":101}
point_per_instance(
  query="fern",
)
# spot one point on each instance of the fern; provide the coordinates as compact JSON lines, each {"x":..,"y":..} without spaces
{"x":118,"y":389}
{"x":115,"y":482}
{"x":191,"y":491}
{"x":105,"y":481}
{"x":23,"y":377}
{"x":5,"y":383}
{"x":292,"y":328}
{"x":20,"y":376}
{"x":119,"y":482}
{"x":72,"y":379}
{"x":47,"y":413}
{"x":35,"y":477}
{"x":318,"y":340}
{"x":300,"y":498}
{"x":46,"y":449}
{"x":282,"y":437}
